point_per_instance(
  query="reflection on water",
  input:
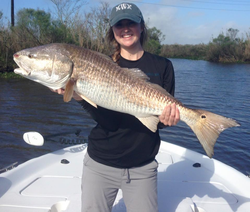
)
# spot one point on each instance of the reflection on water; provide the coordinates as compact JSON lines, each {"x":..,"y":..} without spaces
{"x":223,"y":89}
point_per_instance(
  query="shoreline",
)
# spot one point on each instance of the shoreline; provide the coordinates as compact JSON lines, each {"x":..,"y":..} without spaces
{"x":11,"y":75}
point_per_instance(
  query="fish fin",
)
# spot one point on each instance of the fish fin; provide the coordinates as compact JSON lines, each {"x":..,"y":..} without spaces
{"x":101,"y":55}
{"x":69,"y":90}
{"x":208,"y":127}
{"x":137,"y":73}
{"x":88,"y":100}
{"x":134,"y":71}
{"x":159,"y":88}
{"x":150,"y":122}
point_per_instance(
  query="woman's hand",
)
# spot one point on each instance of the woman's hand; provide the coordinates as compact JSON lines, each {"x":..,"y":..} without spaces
{"x":61,"y":91}
{"x":170,"y":115}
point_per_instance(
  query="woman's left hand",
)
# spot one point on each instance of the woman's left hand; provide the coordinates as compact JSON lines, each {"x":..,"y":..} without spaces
{"x":170,"y":115}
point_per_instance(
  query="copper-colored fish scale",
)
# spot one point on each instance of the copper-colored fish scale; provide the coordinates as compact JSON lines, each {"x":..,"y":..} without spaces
{"x":106,"y":77}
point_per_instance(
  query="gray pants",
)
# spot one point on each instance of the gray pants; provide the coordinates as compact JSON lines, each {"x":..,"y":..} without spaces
{"x":100,"y":184}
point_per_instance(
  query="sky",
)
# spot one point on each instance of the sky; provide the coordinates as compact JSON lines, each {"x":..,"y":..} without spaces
{"x":181,"y":21}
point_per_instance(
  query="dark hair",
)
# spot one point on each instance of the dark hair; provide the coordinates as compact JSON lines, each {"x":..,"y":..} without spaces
{"x":117,"y":48}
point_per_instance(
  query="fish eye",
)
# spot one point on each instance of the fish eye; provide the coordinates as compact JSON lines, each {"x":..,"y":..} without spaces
{"x":31,"y":56}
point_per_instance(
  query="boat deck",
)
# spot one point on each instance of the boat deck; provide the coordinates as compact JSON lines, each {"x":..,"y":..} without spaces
{"x":187,"y":182}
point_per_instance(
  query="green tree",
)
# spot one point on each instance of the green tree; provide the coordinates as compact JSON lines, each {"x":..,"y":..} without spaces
{"x":232,"y":34}
{"x":68,"y":21}
{"x":155,"y":37}
{"x":36,"y":24}
{"x":155,"y":34}
{"x":247,"y":48}
{"x":226,"y":48}
{"x":6,"y":44}
{"x":97,"y":27}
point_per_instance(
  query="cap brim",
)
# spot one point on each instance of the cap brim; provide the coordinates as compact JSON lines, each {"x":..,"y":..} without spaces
{"x":125,"y":16}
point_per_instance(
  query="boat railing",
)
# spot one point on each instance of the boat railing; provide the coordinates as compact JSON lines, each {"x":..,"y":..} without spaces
{"x":9,"y":167}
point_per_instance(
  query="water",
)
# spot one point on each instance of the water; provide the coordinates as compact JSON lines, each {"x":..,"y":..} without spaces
{"x":223,"y":89}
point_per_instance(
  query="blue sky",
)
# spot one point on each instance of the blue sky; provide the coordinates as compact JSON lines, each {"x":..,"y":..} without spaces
{"x":182,"y":21}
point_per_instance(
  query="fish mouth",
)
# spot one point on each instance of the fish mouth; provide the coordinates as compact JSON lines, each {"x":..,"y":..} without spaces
{"x":22,"y":72}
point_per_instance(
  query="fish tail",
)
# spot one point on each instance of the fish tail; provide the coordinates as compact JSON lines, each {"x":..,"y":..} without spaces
{"x":208,"y":127}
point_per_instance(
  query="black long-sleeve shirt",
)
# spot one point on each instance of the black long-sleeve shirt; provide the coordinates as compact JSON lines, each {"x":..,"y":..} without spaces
{"x":121,"y":140}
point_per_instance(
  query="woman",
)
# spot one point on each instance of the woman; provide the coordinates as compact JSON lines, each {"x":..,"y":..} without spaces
{"x":121,"y":150}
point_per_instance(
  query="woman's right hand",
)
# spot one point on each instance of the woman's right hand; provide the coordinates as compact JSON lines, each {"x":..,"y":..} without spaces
{"x":61,"y":91}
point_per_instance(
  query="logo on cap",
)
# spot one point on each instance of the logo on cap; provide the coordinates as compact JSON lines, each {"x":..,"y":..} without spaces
{"x":124,"y":7}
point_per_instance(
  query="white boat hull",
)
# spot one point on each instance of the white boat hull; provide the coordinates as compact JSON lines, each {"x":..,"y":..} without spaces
{"x":46,"y":184}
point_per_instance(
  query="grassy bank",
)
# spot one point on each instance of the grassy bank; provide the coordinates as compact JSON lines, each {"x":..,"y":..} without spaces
{"x":226,"y":48}
{"x":9,"y":75}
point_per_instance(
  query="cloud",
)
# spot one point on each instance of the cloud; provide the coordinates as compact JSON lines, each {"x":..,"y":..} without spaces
{"x":177,"y":27}
{"x":181,"y":23}
{"x":164,"y":19}
{"x":184,"y":24}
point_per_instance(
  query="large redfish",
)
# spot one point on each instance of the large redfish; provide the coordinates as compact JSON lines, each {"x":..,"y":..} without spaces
{"x":100,"y":81}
